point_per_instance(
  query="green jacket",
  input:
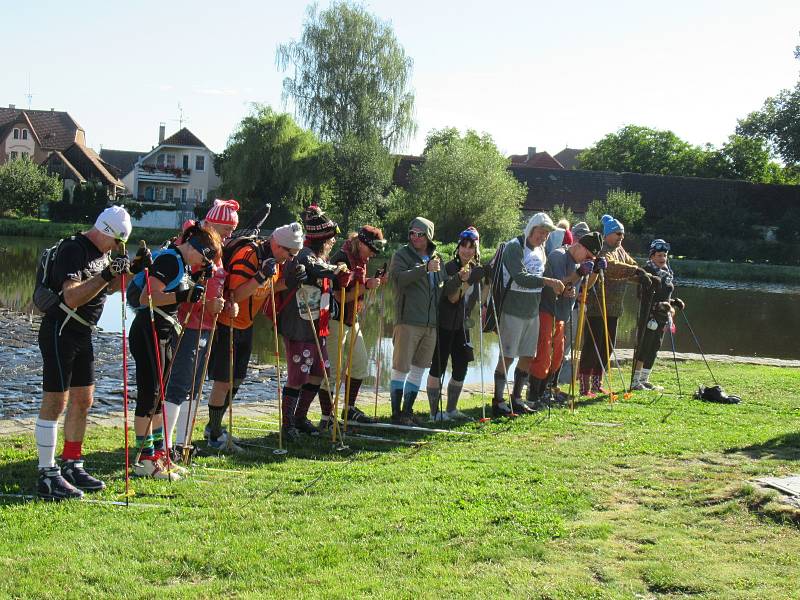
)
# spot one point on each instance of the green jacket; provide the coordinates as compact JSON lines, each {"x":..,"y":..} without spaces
{"x":524,"y":268}
{"x":417,"y":292}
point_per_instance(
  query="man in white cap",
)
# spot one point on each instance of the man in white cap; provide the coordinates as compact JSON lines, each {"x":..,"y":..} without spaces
{"x":83,"y":273}
{"x":522,"y":282}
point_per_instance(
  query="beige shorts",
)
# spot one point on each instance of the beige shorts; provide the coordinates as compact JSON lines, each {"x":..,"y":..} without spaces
{"x":359,"y":368}
{"x":413,"y":345}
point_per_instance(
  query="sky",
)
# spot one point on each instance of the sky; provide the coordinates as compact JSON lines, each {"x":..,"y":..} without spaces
{"x":546,"y":75}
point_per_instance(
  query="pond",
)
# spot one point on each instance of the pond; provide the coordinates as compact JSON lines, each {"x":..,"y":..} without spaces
{"x":736,"y":318}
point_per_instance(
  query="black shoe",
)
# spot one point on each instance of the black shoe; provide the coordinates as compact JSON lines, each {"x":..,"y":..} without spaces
{"x":397,"y":401}
{"x":409,"y":420}
{"x":291,"y":434}
{"x":356,"y":415}
{"x":75,"y":474}
{"x":499,"y":412}
{"x":182,"y":454}
{"x":522,"y":408}
{"x":306,"y":426}
{"x":51,"y":485}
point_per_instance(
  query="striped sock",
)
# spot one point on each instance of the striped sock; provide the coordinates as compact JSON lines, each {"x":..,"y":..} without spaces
{"x":145,"y":444}
{"x":158,"y":438}
{"x":46,"y":438}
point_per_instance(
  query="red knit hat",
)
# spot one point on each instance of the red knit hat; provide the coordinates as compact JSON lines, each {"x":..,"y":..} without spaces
{"x":223,"y":213}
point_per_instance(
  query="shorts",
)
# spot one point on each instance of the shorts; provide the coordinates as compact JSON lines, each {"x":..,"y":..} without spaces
{"x":359,"y":368}
{"x":67,"y":359}
{"x":519,"y":336}
{"x":413,"y":345}
{"x":302,"y":361}
{"x":220,"y":353}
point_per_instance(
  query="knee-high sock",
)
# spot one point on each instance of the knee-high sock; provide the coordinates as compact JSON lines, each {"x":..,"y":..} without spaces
{"x":499,"y":385}
{"x":307,"y":394}
{"x":355,"y":385}
{"x":289,"y":407}
{"x":184,"y":423}
{"x":453,"y":392}
{"x":325,"y":402}
{"x":46,"y":439}
{"x":520,"y":377}
{"x":173,"y":413}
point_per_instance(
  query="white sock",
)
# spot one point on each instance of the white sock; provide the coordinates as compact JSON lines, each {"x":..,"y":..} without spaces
{"x":46,"y":439}
{"x":184,"y":422}
{"x":173,"y":412}
{"x":637,"y":376}
{"x":645,"y":375}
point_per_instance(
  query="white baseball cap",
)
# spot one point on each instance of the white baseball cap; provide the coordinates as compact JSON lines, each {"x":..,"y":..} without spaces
{"x":115,"y":222}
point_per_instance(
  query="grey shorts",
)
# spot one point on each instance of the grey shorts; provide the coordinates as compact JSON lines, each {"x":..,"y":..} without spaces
{"x":519,"y":336}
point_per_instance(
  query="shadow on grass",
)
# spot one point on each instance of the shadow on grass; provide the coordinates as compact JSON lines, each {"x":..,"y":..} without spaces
{"x":783,"y":447}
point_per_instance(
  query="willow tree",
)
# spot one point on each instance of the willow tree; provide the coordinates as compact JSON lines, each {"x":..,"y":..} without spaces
{"x":349,"y":80}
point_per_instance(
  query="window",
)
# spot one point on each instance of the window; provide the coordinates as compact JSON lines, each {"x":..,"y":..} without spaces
{"x":170,"y":194}
{"x":171,"y":161}
{"x":23,"y":154}
{"x":16,"y":134}
{"x":13,"y":155}
{"x":24,"y":134}
{"x":148,"y":193}
{"x":198,"y":195}
{"x":183,"y":194}
{"x":160,"y":161}
{"x":185,"y":162}
{"x":199,"y":163}
{"x":159,"y":193}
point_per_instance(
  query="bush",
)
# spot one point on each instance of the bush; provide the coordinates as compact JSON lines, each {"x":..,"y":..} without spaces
{"x":623,"y":206}
{"x":25,"y":187}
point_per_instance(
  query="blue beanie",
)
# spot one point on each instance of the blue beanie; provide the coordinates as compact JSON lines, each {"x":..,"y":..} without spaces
{"x":611,"y":225}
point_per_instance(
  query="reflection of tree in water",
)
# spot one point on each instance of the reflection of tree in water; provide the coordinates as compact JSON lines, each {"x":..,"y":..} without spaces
{"x":18,"y":260}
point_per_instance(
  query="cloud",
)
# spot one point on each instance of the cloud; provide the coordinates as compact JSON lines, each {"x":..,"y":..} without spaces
{"x":217,"y":91}
{"x":166,"y":87}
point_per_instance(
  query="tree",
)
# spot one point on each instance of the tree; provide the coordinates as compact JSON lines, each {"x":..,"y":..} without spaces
{"x":269,"y":158}
{"x":624,"y":206}
{"x":351,"y":76}
{"x":464,"y":181}
{"x":26,"y":186}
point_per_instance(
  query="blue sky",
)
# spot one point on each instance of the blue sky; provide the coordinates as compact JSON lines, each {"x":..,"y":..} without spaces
{"x":529,"y":73}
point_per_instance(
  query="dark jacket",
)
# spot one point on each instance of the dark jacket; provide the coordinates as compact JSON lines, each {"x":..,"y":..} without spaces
{"x":416,"y":291}
{"x":453,"y":316}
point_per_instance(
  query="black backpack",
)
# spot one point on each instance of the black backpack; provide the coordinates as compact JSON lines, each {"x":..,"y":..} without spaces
{"x":497,"y":291}
{"x":44,"y":297}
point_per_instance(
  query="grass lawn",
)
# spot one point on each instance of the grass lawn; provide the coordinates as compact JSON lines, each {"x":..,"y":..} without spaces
{"x":647,"y":498}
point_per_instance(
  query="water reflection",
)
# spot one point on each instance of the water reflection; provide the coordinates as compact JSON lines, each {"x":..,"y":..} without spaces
{"x":739,"y":318}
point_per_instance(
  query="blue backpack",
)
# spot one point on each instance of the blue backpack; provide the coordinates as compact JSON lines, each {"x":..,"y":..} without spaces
{"x":137,"y":284}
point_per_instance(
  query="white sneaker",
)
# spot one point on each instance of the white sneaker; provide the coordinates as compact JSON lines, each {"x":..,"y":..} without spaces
{"x":639,"y":387}
{"x":439,"y":417}
{"x":153,"y":466}
{"x":653,"y":388}
{"x":456,"y":414}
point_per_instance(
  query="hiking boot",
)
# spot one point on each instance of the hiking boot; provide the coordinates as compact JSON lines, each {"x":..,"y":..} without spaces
{"x":291,"y":434}
{"x":651,"y":387}
{"x":457,"y":415}
{"x":325,"y":423}
{"x":306,"y":426}
{"x":439,"y":417}
{"x":409,"y":420}
{"x":356,"y":415}
{"x":221,"y":444}
{"x":52,"y":485}
{"x":502,"y":410}
{"x":397,"y":401}
{"x":155,"y":468}
{"x":171,"y":466}
{"x":207,"y":434}
{"x":75,"y":474}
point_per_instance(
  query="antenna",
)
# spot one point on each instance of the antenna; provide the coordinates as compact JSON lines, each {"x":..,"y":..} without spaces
{"x":29,"y":95}
{"x":182,"y":118}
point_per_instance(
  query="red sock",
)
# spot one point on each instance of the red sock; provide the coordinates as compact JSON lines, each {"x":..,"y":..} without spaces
{"x":72,"y":450}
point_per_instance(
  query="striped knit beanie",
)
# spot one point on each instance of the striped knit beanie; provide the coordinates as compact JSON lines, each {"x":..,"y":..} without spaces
{"x":317,"y":225}
{"x":223,"y":212}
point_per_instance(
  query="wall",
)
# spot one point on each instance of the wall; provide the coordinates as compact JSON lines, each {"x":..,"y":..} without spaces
{"x":19,"y":145}
{"x":165,"y":219}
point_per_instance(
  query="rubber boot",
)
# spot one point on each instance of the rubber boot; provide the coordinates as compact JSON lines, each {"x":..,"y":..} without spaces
{"x":407,"y":417}
{"x":397,"y":401}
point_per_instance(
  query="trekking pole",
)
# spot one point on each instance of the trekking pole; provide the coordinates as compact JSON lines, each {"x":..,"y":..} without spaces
{"x":674,"y":356}
{"x":697,"y":341}
{"x":125,"y":385}
{"x":502,"y":356}
{"x":157,"y":349}
{"x":611,"y":395}
{"x":187,"y":448}
{"x":229,"y":440}
{"x":340,"y":344}
{"x":379,"y":351}
{"x":350,"y":357}
{"x":281,"y":449}
{"x":579,"y":340}
{"x":625,"y":393}
{"x":572,"y":354}
{"x":484,"y":419}
{"x":194,"y":369}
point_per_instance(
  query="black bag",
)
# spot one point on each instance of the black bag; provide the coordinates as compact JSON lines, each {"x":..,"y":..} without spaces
{"x":44,"y":297}
{"x":493,"y":273}
{"x":715,"y":393}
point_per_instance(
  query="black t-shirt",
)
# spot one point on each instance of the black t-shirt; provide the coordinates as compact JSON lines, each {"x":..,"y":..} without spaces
{"x":166,"y":268}
{"x":78,"y":259}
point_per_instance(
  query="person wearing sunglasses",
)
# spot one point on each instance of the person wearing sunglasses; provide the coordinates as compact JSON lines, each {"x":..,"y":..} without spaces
{"x":415,"y":273}
{"x":456,"y":303}
{"x":254,"y":266}
{"x":656,"y":312}
{"x":82,"y":274}
{"x":354,"y":255}
{"x":620,"y":269}
{"x":170,"y":284}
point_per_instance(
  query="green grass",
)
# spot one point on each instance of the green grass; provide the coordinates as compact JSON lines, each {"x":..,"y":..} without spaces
{"x":647,"y":498}
{"x":28,"y":227}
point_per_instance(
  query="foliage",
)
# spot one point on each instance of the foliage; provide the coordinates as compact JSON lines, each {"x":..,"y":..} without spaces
{"x":351,"y":77}
{"x":464,"y":181}
{"x":638,"y":499}
{"x":624,"y":206}
{"x":789,"y":227}
{"x":88,"y":200}
{"x":35,"y":228}
{"x":26,"y":186}
{"x":562,"y":211}
{"x":269,"y":158}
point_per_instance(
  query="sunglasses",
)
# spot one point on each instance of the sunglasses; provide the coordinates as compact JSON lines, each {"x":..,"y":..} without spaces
{"x":660,"y":246}
{"x":291,"y":251}
{"x":416,"y":234}
{"x":468,"y":234}
{"x":207,"y":253}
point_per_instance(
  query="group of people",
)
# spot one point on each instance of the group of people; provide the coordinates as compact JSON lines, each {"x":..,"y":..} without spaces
{"x":195,"y":300}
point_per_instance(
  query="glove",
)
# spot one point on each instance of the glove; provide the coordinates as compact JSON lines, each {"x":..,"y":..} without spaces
{"x":475,"y":275}
{"x":601,"y":264}
{"x":296,"y":277}
{"x":119,"y":265}
{"x":192,"y":294}
{"x":265,"y":271}
{"x":360,"y":275}
{"x":586,"y":268}
{"x":344,"y":279}
{"x":678,"y":303}
{"x":142,"y":260}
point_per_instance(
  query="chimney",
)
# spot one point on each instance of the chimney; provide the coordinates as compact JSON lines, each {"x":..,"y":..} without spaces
{"x":161,"y":131}
{"x":531,"y":151}
{"x":52,"y":109}
{"x":12,"y":106}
